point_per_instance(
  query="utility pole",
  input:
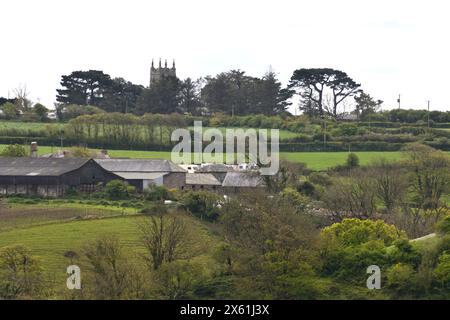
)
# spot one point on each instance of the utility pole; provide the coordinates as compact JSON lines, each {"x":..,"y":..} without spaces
{"x":399,"y":101}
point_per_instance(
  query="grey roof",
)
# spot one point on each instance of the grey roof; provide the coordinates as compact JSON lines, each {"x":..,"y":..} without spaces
{"x":202,"y":179}
{"x":215,"y":168}
{"x":140,"y":175}
{"x":243,"y":179}
{"x":47,"y":167}
{"x":139,"y":165}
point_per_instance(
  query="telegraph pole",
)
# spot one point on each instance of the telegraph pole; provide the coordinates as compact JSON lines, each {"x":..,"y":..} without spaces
{"x":399,"y":101}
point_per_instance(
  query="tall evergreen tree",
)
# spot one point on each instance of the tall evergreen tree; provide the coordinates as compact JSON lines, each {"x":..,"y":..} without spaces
{"x":274,"y":98}
{"x":162,"y":97}
{"x":121,"y":96}
{"x":84,"y":87}
{"x":190,"y":96}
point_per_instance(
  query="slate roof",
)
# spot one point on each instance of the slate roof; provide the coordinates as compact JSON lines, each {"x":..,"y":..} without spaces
{"x":140,"y":175}
{"x":243,"y":179}
{"x":139,"y":165}
{"x":48,"y":167}
{"x":215,"y":168}
{"x":206,"y":179}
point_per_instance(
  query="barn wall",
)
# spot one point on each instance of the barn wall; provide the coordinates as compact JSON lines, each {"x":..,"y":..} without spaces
{"x":89,"y":174}
{"x":29,"y":185}
{"x":84,"y":178}
{"x":175,"y":180}
{"x":198,"y":187}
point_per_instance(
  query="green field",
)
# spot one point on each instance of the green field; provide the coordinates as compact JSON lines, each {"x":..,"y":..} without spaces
{"x":61,"y":230}
{"x":324,"y":160}
{"x":284,"y":134}
{"x":314,"y":160}
{"x":26,"y":125}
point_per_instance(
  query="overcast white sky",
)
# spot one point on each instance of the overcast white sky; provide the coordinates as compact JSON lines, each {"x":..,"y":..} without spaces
{"x":390,"y":46}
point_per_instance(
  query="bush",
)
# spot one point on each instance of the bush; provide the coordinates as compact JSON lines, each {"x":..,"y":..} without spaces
{"x":72,"y":111}
{"x":441,"y":273}
{"x":351,"y":232}
{"x":80,"y":152}
{"x":117,"y":189}
{"x":14,"y":150}
{"x":307,"y":188}
{"x":352,"y":160}
{"x":202,"y":204}
{"x":444,"y":226}
{"x":401,"y":279}
{"x":156,"y":193}
{"x":295,"y":199}
{"x":349,"y":247}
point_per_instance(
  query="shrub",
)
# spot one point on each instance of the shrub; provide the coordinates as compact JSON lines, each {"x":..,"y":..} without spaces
{"x":116,"y":190}
{"x":294,"y":198}
{"x":401,"y":279}
{"x":441,"y":273}
{"x":349,"y":247}
{"x":307,"y":188}
{"x":156,"y":193}
{"x":352,"y":160}
{"x":202,"y":204}
{"x":20,"y":273}
{"x":444,"y":226}
{"x":351,"y":232}
{"x":14,"y":150}
{"x":80,"y":152}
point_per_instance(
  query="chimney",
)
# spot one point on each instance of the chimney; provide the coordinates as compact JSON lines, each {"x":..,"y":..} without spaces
{"x":34,"y":150}
{"x":104,"y":154}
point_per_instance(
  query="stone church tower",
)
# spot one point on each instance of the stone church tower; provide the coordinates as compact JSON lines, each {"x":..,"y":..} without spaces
{"x":157,"y":73}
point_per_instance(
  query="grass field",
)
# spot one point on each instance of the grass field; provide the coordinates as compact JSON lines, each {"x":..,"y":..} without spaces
{"x":25,"y":125}
{"x":36,"y":215}
{"x":62,"y":230}
{"x":284,"y":134}
{"x":314,"y":160}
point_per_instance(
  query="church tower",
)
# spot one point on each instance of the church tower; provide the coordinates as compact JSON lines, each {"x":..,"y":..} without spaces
{"x":157,"y":73}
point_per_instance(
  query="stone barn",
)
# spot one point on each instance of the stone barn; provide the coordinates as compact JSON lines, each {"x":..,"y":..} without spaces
{"x":143,"y":173}
{"x":236,"y":182}
{"x":50,"y":177}
{"x":218,"y":170}
{"x":202,"y":181}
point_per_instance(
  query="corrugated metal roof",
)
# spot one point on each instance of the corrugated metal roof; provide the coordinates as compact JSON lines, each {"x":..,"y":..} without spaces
{"x":139,"y":165}
{"x":140,"y":175}
{"x":202,"y":179}
{"x":39,"y":166}
{"x":243,"y":179}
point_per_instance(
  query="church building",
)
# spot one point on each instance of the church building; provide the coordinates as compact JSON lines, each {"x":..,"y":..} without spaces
{"x":157,"y":73}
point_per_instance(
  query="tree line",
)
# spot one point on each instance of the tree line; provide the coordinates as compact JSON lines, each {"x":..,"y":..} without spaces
{"x":231,"y":92}
{"x":322,"y":92}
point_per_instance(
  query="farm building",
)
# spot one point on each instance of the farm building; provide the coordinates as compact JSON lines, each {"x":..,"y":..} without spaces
{"x":240,"y":181}
{"x":202,"y":181}
{"x":217,"y":170}
{"x":142,"y":173}
{"x":50,"y":177}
